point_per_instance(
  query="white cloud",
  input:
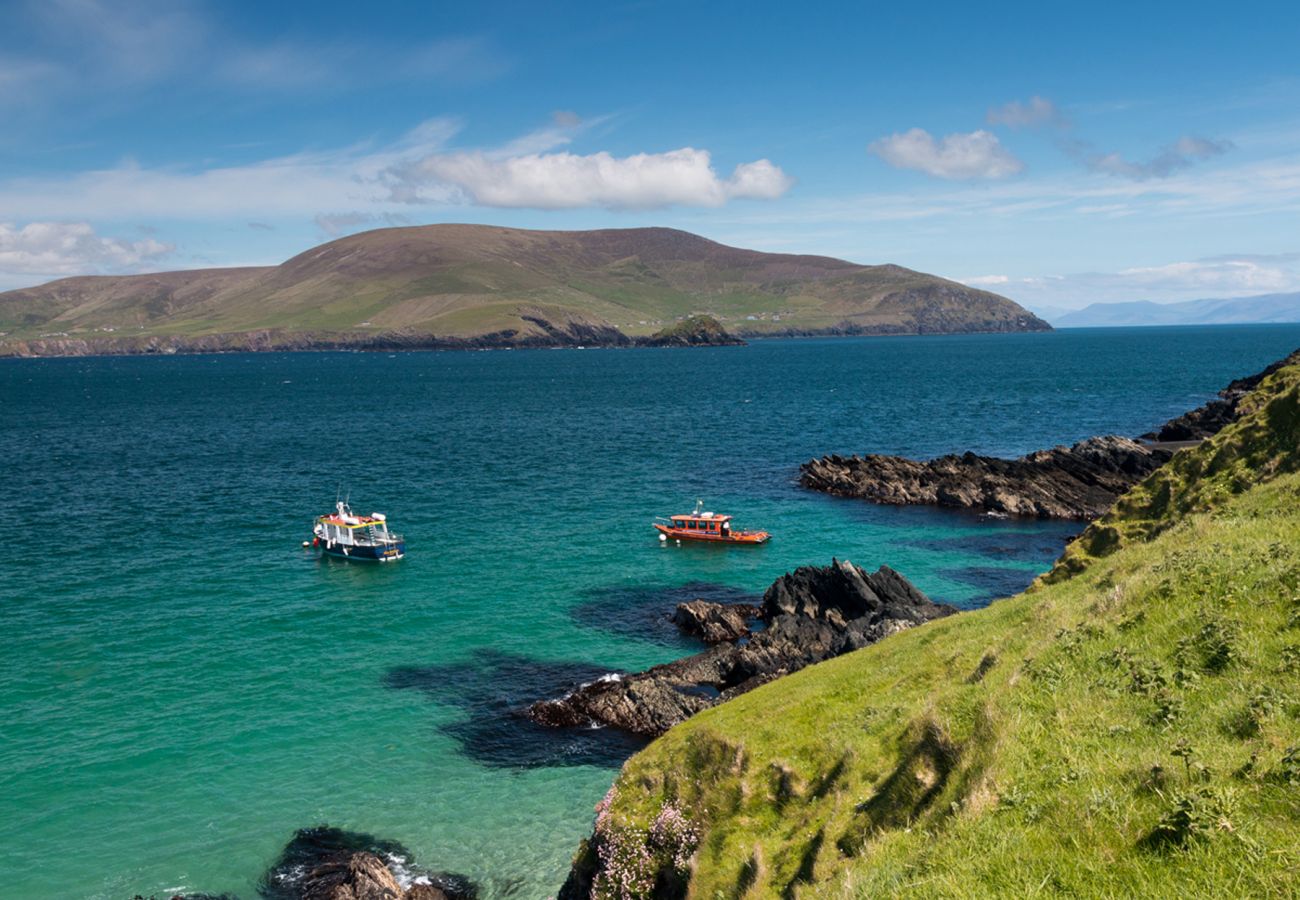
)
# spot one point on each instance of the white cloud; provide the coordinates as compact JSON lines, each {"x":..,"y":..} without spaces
{"x":384,"y":181}
{"x":566,"y":118}
{"x":301,"y":184}
{"x":1030,"y":114}
{"x":978,"y":154}
{"x":72,"y":248}
{"x":759,"y":180}
{"x":1233,"y":276}
{"x":1241,"y":275}
{"x":984,"y":280}
{"x":1039,"y":111}
{"x":1181,"y":154}
{"x":684,"y":177}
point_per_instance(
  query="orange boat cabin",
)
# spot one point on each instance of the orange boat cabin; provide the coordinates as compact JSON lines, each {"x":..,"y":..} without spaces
{"x":706,"y":526}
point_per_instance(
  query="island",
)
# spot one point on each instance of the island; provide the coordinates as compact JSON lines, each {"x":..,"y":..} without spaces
{"x":450,"y":287}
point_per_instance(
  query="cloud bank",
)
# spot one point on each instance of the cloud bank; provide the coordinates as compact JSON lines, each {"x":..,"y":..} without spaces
{"x":72,"y":248}
{"x":1239,"y":275}
{"x":684,"y":177}
{"x":978,"y":154}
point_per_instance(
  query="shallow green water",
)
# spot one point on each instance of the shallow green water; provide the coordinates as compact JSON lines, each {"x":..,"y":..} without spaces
{"x":184,"y":686}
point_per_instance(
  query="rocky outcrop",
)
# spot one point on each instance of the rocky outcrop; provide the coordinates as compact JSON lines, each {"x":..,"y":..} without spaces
{"x":811,"y":614}
{"x":696,"y":331}
{"x":326,"y":863}
{"x":1208,"y":420}
{"x":549,"y":335}
{"x":715,"y":623}
{"x":360,"y":876}
{"x":1078,"y":482}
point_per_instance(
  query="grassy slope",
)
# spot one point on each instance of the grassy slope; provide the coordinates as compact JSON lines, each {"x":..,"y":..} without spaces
{"x":1121,"y":731}
{"x":461,"y":280}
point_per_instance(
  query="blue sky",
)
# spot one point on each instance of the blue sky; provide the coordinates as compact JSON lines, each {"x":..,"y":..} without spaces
{"x":1057,"y":154}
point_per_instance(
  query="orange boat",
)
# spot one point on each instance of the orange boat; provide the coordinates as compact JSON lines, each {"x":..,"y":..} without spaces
{"x":706,"y":526}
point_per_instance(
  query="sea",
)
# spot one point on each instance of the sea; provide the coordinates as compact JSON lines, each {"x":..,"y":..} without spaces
{"x":183,"y":684}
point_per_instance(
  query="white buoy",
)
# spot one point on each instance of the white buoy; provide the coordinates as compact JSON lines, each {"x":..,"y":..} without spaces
{"x":306,"y":543}
{"x":679,"y":542}
{"x":663,"y":537}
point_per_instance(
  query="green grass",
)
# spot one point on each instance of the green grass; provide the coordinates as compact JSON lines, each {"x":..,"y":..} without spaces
{"x":1130,"y":729}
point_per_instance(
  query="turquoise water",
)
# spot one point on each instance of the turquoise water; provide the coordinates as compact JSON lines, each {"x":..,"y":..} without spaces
{"x":183,"y":685}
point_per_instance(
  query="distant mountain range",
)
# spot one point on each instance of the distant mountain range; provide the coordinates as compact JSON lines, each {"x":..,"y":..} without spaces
{"x":481,"y":286}
{"x":1237,"y":310}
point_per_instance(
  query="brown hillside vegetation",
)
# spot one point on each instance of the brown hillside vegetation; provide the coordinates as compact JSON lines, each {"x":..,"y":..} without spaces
{"x":482,"y":285}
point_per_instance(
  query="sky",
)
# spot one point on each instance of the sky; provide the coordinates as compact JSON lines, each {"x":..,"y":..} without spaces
{"x":1059,"y":154}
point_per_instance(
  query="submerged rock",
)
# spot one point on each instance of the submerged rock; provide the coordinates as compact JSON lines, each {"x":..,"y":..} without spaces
{"x":325,"y":863}
{"x":360,"y":876}
{"x":811,"y":614}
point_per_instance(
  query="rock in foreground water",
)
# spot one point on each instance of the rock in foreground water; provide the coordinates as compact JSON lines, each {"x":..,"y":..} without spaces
{"x":811,"y":614}
{"x":325,"y":863}
{"x":1078,"y":482}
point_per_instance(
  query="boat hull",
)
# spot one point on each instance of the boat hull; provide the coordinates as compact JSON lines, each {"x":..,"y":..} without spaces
{"x":739,"y":537}
{"x":363,"y":552}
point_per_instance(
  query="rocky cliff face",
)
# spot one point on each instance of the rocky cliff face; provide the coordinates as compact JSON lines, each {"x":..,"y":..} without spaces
{"x":810,"y":615}
{"x":1078,"y":482}
{"x":547,"y":335}
{"x":1208,"y":420}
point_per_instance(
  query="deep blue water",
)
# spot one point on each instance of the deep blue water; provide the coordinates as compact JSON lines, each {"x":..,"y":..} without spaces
{"x":184,"y":685}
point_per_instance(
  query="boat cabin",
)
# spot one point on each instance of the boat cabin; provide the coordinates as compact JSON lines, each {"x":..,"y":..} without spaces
{"x":349,"y":530}
{"x":703,"y":524}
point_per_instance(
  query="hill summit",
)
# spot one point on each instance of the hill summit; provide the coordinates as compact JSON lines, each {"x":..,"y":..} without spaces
{"x":476,"y":285}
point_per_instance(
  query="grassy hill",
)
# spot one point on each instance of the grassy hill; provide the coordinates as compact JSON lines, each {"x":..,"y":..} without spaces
{"x":1128,"y":727}
{"x":464,"y":282}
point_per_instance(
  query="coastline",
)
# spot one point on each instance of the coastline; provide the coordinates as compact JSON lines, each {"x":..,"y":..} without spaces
{"x":272,"y":341}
